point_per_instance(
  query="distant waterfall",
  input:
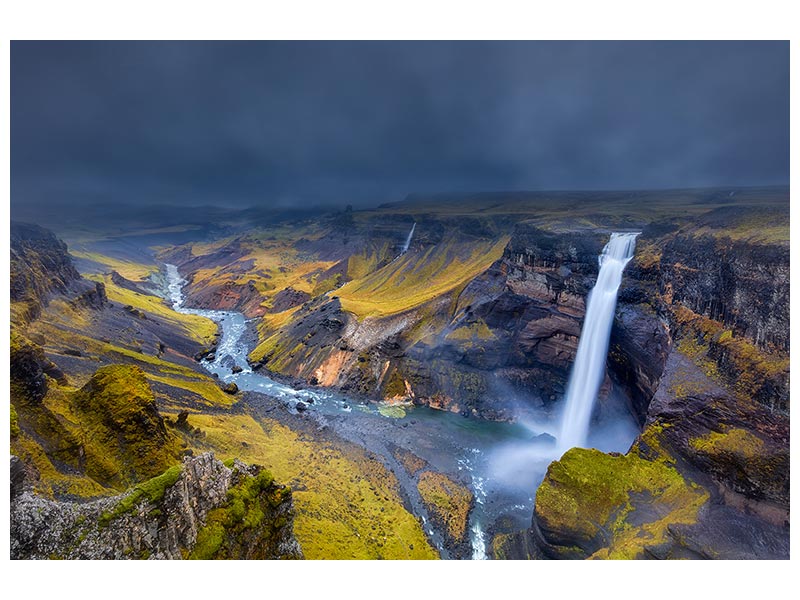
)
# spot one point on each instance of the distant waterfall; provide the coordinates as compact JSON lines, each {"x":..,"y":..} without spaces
{"x":408,"y":239}
{"x":589,"y":368}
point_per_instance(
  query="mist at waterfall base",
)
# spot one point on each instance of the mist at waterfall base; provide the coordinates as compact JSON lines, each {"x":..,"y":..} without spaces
{"x":614,"y":428}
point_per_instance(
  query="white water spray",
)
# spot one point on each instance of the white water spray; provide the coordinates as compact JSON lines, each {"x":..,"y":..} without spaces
{"x":589,"y":368}
{"x":408,"y":239}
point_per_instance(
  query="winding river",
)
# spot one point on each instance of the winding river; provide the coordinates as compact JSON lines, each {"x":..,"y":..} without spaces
{"x":503,"y":463}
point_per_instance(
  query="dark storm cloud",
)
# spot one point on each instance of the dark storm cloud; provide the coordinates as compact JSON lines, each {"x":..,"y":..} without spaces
{"x":284,"y":123}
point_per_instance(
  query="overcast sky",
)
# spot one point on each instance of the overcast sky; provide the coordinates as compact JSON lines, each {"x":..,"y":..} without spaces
{"x":279,"y":123}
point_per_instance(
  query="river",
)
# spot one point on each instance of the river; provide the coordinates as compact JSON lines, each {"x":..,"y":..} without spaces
{"x":502,"y":463}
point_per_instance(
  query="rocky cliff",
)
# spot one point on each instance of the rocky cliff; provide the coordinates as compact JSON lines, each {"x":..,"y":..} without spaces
{"x":509,"y":332}
{"x":701,"y":340}
{"x":502,"y":338}
{"x":707,"y":478}
{"x":699,"y":345}
{"x":41,"y":267}
{"x":201,"y":509}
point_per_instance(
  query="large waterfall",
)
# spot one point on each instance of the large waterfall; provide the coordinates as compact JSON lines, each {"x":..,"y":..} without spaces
{"x":589,"y":368}
{"x":408,"y":239}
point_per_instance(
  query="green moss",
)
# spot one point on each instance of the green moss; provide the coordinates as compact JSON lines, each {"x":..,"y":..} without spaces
{"x":152,"y":491}
{"x":649,"y":444}
{"x":478,"y":330}
{"x":410,"y":461}
{"x":14,"y":422}
{"x":734,"y":441}
{"x":726,"y":358}
{"x":326,"y":285}
{"x":121,"y":434}
{"x":53,"y":482}
{"x":590,"y":496}
{"x":448,"y":502}
{"x":348,"y":505}
{"x":245,"y":510}
{"x":195,"y":327}
{"x":206,"y":388}
{"x":128,"y":269}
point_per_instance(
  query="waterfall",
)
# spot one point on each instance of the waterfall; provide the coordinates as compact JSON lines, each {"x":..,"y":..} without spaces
{"x":590,"y":362}
{"x":408,"y":239}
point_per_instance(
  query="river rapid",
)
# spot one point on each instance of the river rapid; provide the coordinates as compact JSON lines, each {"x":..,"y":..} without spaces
{"x":502,"y":463}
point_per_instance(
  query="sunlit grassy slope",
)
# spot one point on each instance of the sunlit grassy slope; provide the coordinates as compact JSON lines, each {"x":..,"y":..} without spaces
{"x":193,"y":326}
{"x":272,"y":264}
{"x":348,"y":505}
{"x":128,"y":269}
{"x":417,"y":277}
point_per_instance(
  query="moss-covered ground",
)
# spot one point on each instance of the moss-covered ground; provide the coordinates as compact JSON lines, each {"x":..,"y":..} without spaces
{"x":152,"y":490}
{"x":347,"y":503}
{"x":626,"y":502}
{"x":707,"y":342}
{"x":97,"y":439}
{"x":733,"y":441}
{"x":449,"y":503}
{"x":242,"y":517}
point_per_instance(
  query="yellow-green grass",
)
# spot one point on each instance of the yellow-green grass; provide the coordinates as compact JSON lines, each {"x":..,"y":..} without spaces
{"x":478,"y":330}
{"x":53,"y":482}
{"x":363,"y":263}
{"x":50,"y":421}
{"x":764,"y":227}
{"x":156,"y":369}
{"x":174,"y":375}
{"x":649,"y":204}
{"x":347,"y":504}
{"x":116,"y":419}
{"x":268,"y":332}
{"x":204,"y":387}
{"x":130,"y":270}
{"x":277,"y":265}
{"x":198,"y":328}
{"x":61,"y":313}
{"x":108,"y":432}
{"x":414,"y":279}
{"x":412,"y":463}
{"x":274,"y":321}
{"x":448,"y":501}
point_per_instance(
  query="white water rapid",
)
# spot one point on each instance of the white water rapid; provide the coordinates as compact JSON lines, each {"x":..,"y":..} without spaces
{"x":408,"y":239}
{"x":590,"y":362}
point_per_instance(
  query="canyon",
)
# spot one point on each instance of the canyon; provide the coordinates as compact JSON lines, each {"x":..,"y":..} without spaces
{"x":472,"y":308}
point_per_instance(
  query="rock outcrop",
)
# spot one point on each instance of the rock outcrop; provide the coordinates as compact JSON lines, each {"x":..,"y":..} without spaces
{"x":200,"y":509}
{"x":122,"y":436}
{"x":115,"y":435}
{"x":707,"y":478}
{"x":40,"y":266}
